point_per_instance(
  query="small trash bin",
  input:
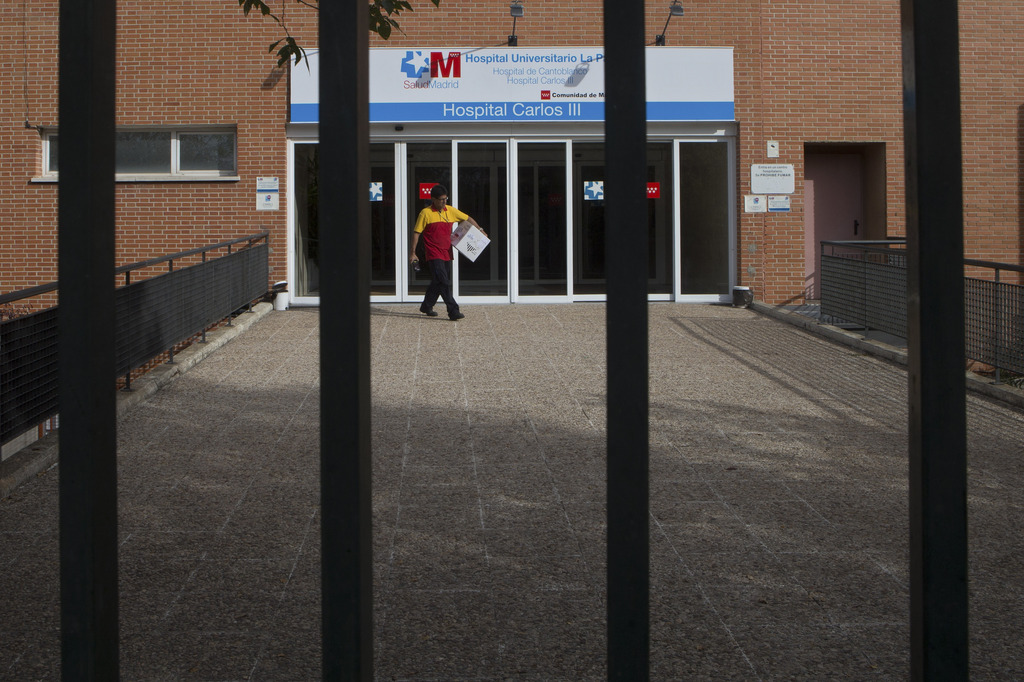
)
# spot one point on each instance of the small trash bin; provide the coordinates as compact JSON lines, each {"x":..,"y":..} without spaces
{"x":281,"y":296}
{"x":742,"y":297}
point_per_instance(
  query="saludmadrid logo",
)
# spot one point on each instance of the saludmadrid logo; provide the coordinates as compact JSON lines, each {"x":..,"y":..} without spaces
{"x":431,"y":69}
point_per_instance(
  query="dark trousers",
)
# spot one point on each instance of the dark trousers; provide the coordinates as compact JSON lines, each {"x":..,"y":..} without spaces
{"x":440,"y":285}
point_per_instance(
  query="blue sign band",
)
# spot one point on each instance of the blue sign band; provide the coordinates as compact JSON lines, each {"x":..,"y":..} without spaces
{"x":575,"y":109}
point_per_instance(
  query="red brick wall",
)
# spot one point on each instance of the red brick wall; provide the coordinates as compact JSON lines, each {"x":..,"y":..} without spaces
{"x":28,"y":248}
{"x":829,"y":72}
{"x":992,"y":119}
{"x":805,"y":72}
{"x":198,"y":62}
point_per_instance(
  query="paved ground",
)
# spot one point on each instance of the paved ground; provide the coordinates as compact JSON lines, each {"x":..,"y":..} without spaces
{"x":778,"y":508}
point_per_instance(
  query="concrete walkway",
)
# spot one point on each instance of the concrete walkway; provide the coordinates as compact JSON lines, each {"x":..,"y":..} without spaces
{"x":778,"y":508}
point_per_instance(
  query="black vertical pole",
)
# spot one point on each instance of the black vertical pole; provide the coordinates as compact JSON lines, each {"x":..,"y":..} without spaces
{"x":938,"y":440}
{"x":347,"y":597}
{"x":626,"y":259}
{"x":88,"y":427}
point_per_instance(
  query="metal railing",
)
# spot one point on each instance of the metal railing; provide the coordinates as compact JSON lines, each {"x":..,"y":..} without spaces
{"x":153,"y":315}
{"x":994,"y":318}
{"x":866,"y":283}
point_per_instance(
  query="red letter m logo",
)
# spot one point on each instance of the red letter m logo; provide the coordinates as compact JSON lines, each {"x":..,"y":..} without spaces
{"x":450,"y":68}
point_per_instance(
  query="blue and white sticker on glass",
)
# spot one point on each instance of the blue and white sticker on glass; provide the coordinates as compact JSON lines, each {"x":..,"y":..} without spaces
{"x":376,"y":191}
{"x":593,"y":190}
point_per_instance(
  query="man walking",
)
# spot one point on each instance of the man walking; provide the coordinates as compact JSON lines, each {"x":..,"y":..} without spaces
{"x":435,"y":224}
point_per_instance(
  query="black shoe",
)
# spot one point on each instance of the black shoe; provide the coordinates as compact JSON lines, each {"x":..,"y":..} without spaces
{"x":455,"y":316}
{"x":429,"y":312}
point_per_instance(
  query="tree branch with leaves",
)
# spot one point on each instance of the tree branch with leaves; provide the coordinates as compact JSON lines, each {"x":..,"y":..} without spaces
{"x":382,"y":17}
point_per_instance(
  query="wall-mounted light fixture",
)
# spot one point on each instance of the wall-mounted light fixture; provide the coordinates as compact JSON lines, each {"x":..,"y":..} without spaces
{"x":515,"y":10}
{"x":675,"y":10}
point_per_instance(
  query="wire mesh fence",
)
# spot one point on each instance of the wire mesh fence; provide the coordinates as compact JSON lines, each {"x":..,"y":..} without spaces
{"x":152,"y":316}
{"x":865,"y":283}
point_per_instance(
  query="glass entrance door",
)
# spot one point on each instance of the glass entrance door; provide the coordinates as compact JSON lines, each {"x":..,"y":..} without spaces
{"x":589,"y":228}
{"x":427,"y":164}
{"x":588,"y":219}
{"x":704,"y":200}
{"x":545,"y":218}
{"x":382,"y":220}
{"x":306,"y":199}
{"x":542,"y":244}
{"x":482,"y":193}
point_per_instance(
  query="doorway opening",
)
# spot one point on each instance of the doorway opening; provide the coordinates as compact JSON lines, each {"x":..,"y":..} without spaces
{"x":844,"y":200}
{"x":541,"y":201}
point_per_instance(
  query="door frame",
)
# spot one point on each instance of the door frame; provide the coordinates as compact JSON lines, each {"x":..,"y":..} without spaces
{"x":514,"y":220}
{"x":290,"y":207}
{"x":511,"y":190}
{"x":677,"y":218}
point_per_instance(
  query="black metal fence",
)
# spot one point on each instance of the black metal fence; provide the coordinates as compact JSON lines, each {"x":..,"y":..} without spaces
{"x":866,"y":283}
{"x":28,"y":371}
{"x":88,"y":481}
{"x":994,"y":322}
{"x":152,"y":316}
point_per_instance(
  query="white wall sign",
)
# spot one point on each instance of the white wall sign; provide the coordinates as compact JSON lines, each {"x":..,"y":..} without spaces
{"x":772,"y":178}
{"x":528,"y":84}
{"x":267,"y":193}
{"x":267,"y":201}
{"x":754,"y":203}
{"x":778,"y":203}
